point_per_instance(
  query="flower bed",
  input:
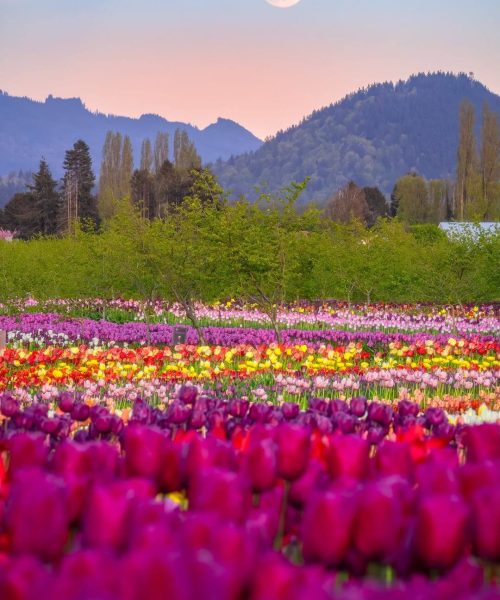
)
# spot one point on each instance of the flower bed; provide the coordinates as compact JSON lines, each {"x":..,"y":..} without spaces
{"x":335,"y":464}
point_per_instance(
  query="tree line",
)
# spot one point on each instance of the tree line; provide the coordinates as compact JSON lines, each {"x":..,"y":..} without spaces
{"x":160,"y":185}
{"x":265,"y":252}
{"x":48,"y":207}
{"x":474,"y":195}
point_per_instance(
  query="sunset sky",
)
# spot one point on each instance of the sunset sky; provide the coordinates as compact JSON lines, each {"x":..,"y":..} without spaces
{"x":265,"y":67}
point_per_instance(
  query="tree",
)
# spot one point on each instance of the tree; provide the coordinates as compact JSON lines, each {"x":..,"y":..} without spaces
{"x":161,"y":150}
{"x":466,"y":160}
{"x":186,"y":158}
{"x":78,"y":183}
{"x":168,"y":189}
{"x":46,"y":200}
{"x":265,"y":241}
{"x":377,"y":205}
{"x":490,"y":165}
{"x":348,"y":205}
{"x":142,"y":193}
{"x":146,"y":155}
{"x":411,"y":195}
{"x":20,"y":214}
{"x":126,"y":167}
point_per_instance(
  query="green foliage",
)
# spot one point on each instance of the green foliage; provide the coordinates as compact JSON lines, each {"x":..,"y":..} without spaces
{"x":267,"y":253}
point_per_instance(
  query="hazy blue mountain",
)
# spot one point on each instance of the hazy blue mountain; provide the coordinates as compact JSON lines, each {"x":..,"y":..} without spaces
{"x":30,"y":130}
{"x":372,"y":136}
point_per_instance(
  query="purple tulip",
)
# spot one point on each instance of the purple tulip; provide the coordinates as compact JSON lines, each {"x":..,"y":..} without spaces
{"x":294,"y":442}
{"x":219,"y":492}
{"x":143,"y":448}
{"x":486,"y":523}
{"x":187,"y":394}
{"x":36,"y":514}
{"x":475,"y":476}
{"x":380,"y":522}
{"x":394,"y":458}
{"x":238,"y":408}
{"x":348,"y":457}
{"x":441,"y":530}
{"x":106,"y":514}
{"x":382,"y":414}
{"x":27,"y":450}
{"x":408,"y":409}
{"x":80,"y":412}
{"x":9,"y":406}
{"x":327,"y":527}
{"x":260,"y":464}
{"x":290,"y":410}
{"x":483,"y":442}
{"x":357,"y":406}
{"x":171,"y":474}
{"x":66,"y":402}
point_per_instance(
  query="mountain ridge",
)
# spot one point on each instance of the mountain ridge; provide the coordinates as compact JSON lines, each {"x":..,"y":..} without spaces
{"x":371,"y":136}
{"x":30,"y":129}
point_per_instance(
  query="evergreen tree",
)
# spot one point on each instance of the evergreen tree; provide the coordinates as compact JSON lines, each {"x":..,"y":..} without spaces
{"x":20,"y":215}
{"x":377,"y":205}
{"x":78,"y":183}
{"x":46,"y":200}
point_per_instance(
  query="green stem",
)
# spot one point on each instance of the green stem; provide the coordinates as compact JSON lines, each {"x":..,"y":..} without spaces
{"x":281,"y":527}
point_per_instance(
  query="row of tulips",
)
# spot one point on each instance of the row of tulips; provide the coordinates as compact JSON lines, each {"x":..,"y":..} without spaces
{"x":332,"y":315}
{"x":228,"y":499}
{"x":49,"y":328}
{"x":281,"y":371}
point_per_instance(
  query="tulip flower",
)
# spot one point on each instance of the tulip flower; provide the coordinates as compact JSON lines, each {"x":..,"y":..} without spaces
{"x":27,"y":450}
{"x":294,"y":442}
{"x":36,"y":514}
{"x":327,"y":527}
{"x":348,"y":457}
{"x":486,"y":523}
{"x":143,"y":450}
{"x":442,"y":530}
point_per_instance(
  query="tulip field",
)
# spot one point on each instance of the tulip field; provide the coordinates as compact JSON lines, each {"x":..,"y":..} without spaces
{"x":334,"y":451}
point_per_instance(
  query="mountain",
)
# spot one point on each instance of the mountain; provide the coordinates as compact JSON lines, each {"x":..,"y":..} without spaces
{"x":30,"y":130}
{"x":372,"y":137}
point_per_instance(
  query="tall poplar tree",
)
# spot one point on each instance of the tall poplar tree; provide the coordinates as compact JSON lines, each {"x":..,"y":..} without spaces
{"x":490,"y":164}
{"x":160,"y":150}
{"x":186,"y":156}
{"x":146,"y":155}
{"x":126,"y":167}
{"x":109,"y":177}
{"x":466,"y":160}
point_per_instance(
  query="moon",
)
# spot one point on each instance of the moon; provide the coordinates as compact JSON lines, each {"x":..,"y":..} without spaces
{"x":282,"y":3}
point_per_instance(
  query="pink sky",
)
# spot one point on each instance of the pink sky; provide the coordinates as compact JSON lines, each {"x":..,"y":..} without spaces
{"x":263,"y":67}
